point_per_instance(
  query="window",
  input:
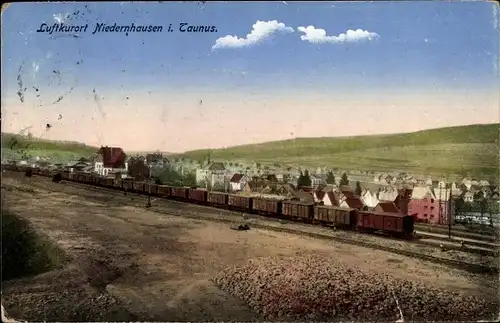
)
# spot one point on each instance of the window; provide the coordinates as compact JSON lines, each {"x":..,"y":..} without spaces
{"x":425,"y":215}
{"x":432,"y":200}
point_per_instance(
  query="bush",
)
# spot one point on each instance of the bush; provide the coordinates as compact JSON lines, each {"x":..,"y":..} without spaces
{"x":24,"y":252}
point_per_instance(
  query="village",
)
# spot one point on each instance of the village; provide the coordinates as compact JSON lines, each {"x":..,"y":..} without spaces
{"x":428,"y":200}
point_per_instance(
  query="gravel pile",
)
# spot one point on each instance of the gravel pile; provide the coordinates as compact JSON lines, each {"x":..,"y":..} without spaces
{"x":319,"y":288}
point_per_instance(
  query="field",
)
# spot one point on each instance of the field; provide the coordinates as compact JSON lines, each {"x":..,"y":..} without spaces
{"x":17,"y":146}
{"x":130,"y":263}
{"x":456,"y":151}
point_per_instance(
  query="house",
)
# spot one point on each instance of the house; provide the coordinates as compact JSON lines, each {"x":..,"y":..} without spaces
{"x":110,"y":159}
{"x":484,"y":183}
{"x":467,"y":182}
{"x":368,"y":198}
{"x":388,"y":194}
{"x":302,"y":196}
{"x":441,"y":184}
{"x":215,"y":175}
{"x":77,"y":166}
{"x":423,"y":205}
{"x":387,"y":207}
{"x":156,"y":159}
{"x":468,"y":197}
{"x":317,"y":180}
{"x":353,"y":202}
{"x":327,"y":198}
{"x":255,"y":186}
{"x":237,"y":182}
{"x":403,"y":199}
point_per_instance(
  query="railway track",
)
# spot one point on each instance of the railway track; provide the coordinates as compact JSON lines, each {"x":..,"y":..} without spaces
{"x":428,"y":239}
{"x":487,"y":235}
{"x":203,"y":214}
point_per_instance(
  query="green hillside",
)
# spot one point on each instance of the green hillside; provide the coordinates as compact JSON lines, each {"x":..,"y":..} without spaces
{"x":18,"y":146}
{"x":458,"y":150}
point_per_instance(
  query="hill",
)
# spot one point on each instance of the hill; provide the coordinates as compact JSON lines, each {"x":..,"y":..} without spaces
{"x":471,"y":149}
{"x":17,"y":146}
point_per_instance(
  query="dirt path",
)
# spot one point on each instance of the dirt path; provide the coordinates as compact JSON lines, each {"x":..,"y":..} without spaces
{"x":159,"y":267}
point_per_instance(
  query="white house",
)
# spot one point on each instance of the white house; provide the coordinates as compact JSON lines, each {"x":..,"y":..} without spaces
{"x":104,"y":171}
{"x":215,"y":175}
{"x":237,"y":182}
{"x":328,"y":198}
{"x":468,"y":197}
{"x":388,"y":194}
{"x":369,"y":199}
{"x":316,"y":180}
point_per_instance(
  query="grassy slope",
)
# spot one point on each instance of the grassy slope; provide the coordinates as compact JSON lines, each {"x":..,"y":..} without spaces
{"x":44,"y":148}
{"x":453,"y":150}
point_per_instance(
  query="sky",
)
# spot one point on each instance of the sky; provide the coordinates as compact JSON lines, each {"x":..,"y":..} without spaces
{"x":265,"y":71}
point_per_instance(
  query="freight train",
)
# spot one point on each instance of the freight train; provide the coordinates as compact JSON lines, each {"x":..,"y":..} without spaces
{"x":393,"y":224}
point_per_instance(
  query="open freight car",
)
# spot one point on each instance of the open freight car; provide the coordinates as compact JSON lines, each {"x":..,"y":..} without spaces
{"x":336,"y":216}
{"x":239,"y":202}
{"x":298,"y":210}
{"x":266,"y":206}
{"x":151,"y":189}
{"x":198,"y":195}
{"x":392,"y":223}
{"x":179,"y":193}
{"x":164,"y":191}
{"x":217,"y":199}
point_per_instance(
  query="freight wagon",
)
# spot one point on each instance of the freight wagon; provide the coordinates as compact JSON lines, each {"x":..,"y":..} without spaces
{"x":238,"y":202}
{"x":336,"y":216}
{"x":217,"y":199}
{"x":394,"y":224}
{"x":180,"y":193}
{"x":164,"y":191}
{"x":138,"y":187}
{"x":198,"y":195}
{"x":266,"y":206}
{"x":298,"y":210}
{"x":151,"y":189}
{"x":388,"y":222}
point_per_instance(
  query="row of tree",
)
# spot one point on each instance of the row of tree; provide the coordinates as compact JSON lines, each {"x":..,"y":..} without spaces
{"x":305,"y":180}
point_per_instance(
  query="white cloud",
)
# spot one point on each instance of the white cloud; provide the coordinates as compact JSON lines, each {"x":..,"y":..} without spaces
{"x":261,"y":30}
{"x":61,"y":17}
{"x":318,"y":36}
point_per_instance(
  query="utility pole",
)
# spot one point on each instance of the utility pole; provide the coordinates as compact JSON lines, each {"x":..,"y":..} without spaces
{"x":449,"y":215}
{"x":149,"y":185}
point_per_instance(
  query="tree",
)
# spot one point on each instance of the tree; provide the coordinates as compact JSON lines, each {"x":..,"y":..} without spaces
{"x":344,"y":180}
{"x":307,"y":178}
{"x":358,"y":189}
{"x":300,"y":181}
{"x":330,"y":179}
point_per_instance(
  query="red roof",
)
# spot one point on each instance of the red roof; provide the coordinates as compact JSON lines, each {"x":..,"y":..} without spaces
{"x":320,"y":194}
{"x":236,"y":178}
{"x":112,"y":157}
{"x":387,"y":207}
{"x":348,"y":194}
{"x":354,"y":203}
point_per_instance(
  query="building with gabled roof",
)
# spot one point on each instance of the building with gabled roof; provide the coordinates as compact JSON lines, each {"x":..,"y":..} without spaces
{"x":110,"y":159}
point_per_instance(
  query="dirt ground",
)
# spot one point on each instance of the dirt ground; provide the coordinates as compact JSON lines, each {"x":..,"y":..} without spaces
{"x":133,"y":264}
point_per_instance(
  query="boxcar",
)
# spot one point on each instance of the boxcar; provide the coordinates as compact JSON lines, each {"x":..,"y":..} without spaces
{"x":217,"y":198}
{"x":109,"y":182}
{"x":336,"y":216}
{"x":198,"y":195}
{"x":163,"y":191}
{"x":180,"y":192}
{"x":264,"y":205}
{"x":239,"y":202}
{"x":298,"y":209}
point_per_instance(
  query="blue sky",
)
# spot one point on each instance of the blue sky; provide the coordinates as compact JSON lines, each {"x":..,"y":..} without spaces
{"x":432,"y":47}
